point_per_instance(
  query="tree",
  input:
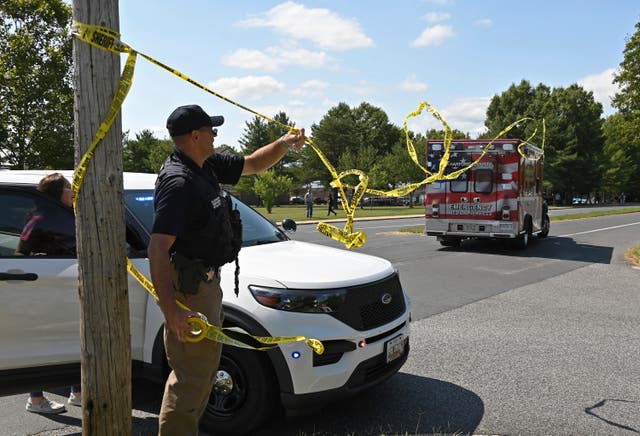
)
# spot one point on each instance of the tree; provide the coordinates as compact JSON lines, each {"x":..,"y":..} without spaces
{"x":574,"y":141}
{"x":36,"y":115}
{"x":347,"y":130}
{"x":628,"y":99}
{"x":517,"y":102}
{"x":621,"y":172}
{"x":158,"y":154}
{"x":439,"y":134}
{"x":258,"y":133}
{"x":268,"y":186}
{"x":622,"y":131}
{"x":137,"y":151}
{"x":573,"y":154}
{"x":363,"y":158}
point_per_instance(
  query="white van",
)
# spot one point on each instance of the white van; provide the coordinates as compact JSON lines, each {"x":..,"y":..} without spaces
{"x":359,"y":311}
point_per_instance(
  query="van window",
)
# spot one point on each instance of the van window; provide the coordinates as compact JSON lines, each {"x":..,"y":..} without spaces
{"x":483,"y":181}
{"x":459,"y":184}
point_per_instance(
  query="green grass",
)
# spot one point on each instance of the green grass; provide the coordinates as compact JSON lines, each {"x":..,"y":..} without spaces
{"x":596,"y":213}
{"x":299,"y":212}
{"x":414,"y":229}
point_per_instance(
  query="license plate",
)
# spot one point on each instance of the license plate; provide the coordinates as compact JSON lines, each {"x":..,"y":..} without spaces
{"x":395,"y":347}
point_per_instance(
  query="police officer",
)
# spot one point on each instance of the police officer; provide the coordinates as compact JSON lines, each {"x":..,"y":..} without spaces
{"x":188,"y":237}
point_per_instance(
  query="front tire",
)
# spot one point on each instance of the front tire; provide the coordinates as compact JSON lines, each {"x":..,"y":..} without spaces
{"x":244,"y":394}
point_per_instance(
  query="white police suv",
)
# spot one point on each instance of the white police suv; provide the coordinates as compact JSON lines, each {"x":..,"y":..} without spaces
{"x":354,"y":303}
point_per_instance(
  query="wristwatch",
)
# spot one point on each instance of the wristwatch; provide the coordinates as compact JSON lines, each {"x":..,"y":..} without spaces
{"x":283,"y":143}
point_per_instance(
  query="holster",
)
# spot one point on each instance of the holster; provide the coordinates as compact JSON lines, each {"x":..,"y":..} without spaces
{"x":190,"y":272}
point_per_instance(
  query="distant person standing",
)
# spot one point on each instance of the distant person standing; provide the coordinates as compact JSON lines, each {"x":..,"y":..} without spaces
{"x":331,"y":204}
{"x":308,"y":201}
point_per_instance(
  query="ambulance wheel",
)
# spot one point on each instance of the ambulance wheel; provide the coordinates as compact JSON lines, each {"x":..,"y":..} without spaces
{"x":522,"y":241}
{"x":244,"y":394}
{"x":544,"y":232}
{"x":450,"y":242}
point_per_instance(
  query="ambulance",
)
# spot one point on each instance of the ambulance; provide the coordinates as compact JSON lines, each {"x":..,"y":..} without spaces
{"x":501,"y":197}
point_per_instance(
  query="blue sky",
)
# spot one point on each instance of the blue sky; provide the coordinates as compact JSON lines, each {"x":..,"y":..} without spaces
{"x":303,"y":57}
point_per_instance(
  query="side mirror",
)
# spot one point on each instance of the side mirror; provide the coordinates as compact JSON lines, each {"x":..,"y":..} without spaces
{"x":289,"y":225}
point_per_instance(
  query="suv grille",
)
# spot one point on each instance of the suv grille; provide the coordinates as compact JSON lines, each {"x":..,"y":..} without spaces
{"x":364,"y":309}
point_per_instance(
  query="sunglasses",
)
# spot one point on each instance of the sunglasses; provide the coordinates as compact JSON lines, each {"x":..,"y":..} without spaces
{"x":214,"y":131}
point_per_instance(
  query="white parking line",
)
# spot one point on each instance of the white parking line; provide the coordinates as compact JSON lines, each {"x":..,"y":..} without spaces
{"x":599,"y":230}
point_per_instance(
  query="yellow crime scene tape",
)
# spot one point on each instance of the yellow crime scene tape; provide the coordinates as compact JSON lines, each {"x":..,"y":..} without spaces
{"x":107,"y":39}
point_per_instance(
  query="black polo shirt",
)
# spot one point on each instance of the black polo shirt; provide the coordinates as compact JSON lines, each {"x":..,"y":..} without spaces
{"x":178,"y":202}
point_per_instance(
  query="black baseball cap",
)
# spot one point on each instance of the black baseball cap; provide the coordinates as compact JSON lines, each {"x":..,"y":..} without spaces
{"x":191,"y":117}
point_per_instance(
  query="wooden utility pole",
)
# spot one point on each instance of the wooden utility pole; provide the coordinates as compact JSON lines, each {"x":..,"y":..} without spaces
{"x":104,"y":303}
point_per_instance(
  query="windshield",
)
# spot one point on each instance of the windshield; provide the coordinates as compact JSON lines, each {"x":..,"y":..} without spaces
{"x":256,"y":229}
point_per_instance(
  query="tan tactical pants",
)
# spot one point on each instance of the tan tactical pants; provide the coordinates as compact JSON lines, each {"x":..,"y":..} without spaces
{"x":194,"y":366}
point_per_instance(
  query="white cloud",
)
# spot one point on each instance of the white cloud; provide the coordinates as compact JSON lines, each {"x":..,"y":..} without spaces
{"x":412,"y":84}
{"x":439,"y":2}
{"x":274,"y":58}
{"x":311,"y":88}
{"x":464,"y":114}
{"x":300,"y":113}
{"x":483,"y":22}
{"x":602,"y":86}
{"x":363,"y":89}
{"x":433,"y":36}
{"x":250,"y":60}
{"x":296,"y":103}
{"x":434,"y":17}
{"x":253,"y":87}
{"x":318,"y":25}
{"x":319,"y":84}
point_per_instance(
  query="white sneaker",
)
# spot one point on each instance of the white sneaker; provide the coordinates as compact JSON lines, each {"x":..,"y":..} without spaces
{"x":75,"y":400}
{"x":45,"y":406}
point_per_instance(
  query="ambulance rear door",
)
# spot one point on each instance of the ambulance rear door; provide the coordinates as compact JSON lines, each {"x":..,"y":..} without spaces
{"x":483,"y":193}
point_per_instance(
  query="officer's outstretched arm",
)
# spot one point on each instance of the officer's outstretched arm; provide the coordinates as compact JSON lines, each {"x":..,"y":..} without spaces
{"x":265,"y":157}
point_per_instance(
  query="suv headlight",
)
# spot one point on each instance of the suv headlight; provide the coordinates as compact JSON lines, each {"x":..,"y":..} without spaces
{"x":294,"y":300}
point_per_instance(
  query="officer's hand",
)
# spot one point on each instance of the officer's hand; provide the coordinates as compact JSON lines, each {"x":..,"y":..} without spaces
{"x":176,"y":319}
{"x":295,"y":140}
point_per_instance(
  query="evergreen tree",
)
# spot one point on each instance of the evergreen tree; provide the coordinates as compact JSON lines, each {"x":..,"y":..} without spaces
{"x":259,"y":133}
{"x":622,"y":130}
{"x":628,"y":77}
{"x":137,"y":151}
{"x":622,"y":155}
